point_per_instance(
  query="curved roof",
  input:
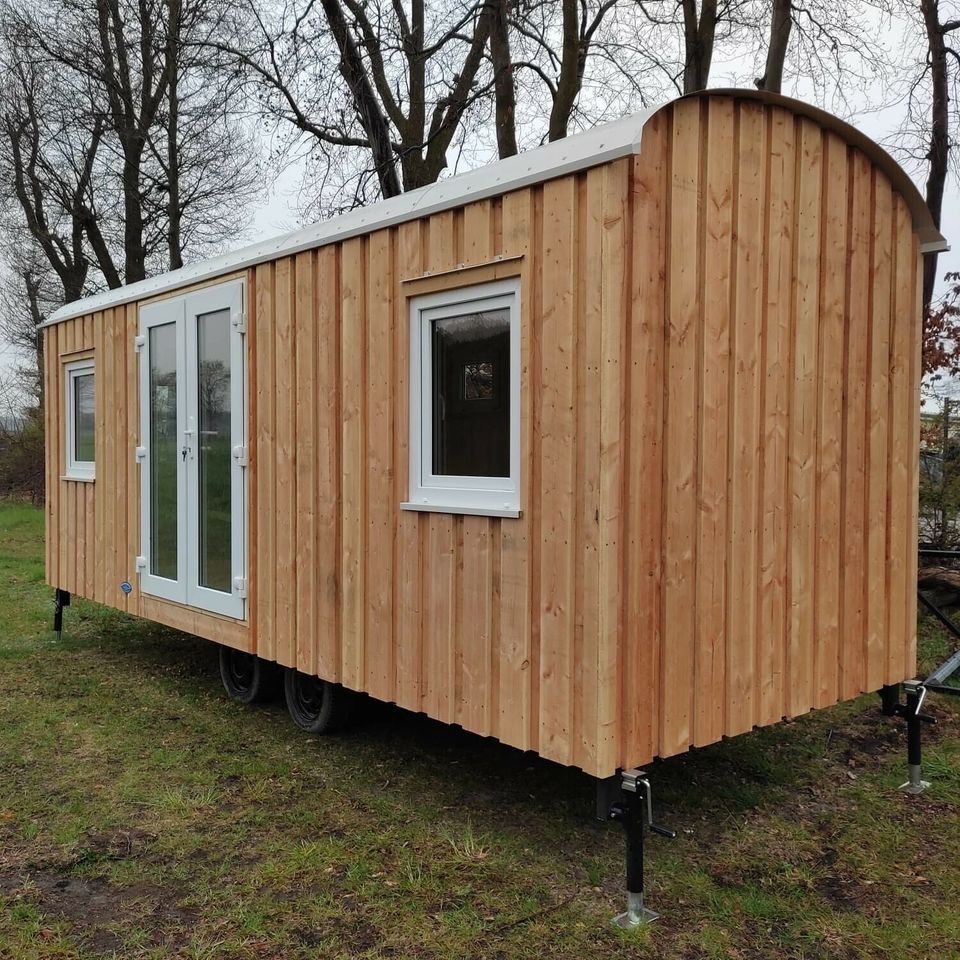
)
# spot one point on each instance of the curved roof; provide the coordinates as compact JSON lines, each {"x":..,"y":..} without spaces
{"x":604,"y":143}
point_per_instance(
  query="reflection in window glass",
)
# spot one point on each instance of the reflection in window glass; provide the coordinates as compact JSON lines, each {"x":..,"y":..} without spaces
{"x":163,"y":451}
{"x":213,"y":403}
{"x":471,"y":395}
{"x":84,"y":438}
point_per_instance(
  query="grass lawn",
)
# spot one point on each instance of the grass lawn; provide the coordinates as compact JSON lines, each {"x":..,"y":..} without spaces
{"x":142,"y":814}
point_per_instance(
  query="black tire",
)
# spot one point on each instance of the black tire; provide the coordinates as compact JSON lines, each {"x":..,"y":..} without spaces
{"x":247,"y":678}
{"x":316,"y":705}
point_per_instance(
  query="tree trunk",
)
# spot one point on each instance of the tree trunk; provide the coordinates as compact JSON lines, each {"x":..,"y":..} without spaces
{"x":365,"y":102}
{"x":939,"y":132}
{"x":174,"y":241}
{"x":781,"y":22}
{"x":698,"y":33}
{"x":134,"y":252}
{"x":568,"y":83}
{"x":505,"y":96}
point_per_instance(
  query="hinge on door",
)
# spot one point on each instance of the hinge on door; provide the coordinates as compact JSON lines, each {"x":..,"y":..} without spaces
{"x":240,"y":454}
{"x":240,"y":586}
{"x":141,"y":563}
{"x":239,"y":319}
{"x":140,"y":454}
{"x":139,"y":342}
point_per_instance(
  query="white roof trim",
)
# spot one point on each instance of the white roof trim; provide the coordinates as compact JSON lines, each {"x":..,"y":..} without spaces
{"x":602,"y":144}
{"x":610,"y":141}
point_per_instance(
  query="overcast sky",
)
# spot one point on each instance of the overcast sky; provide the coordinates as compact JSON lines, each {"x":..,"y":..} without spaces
{"x":277,"y":212}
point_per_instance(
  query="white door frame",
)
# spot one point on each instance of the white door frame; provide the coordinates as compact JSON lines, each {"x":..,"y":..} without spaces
{"x":183,"y":312}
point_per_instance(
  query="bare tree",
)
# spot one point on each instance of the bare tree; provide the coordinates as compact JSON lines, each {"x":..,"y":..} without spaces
{"x":942,"y":62}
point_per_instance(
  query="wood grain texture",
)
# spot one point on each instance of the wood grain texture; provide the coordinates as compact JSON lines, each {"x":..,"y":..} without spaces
{"x":718,"y":430}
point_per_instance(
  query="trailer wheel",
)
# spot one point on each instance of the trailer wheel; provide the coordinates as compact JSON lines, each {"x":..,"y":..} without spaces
{"x":316,"y":705}
{"x":246,"y":677}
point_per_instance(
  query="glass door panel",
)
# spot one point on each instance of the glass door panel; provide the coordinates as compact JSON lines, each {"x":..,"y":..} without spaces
{"x":164,"y":451}
{"x":214,"y":454}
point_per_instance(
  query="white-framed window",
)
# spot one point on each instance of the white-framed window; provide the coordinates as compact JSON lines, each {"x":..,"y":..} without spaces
{"x":465,"y":400}
{"x":192,"y":453}
{"x":79,"y":387}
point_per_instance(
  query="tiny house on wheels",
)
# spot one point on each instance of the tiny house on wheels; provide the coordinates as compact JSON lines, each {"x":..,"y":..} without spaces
{"x":607,"y":450}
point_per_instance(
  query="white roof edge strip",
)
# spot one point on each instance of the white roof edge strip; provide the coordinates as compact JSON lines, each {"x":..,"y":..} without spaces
{"x":604,"y":143}
{"x":610,"y":141}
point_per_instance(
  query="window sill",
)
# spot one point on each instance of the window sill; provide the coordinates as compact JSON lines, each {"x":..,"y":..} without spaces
{"x":78,"y":477}
{"x":460,"y":509}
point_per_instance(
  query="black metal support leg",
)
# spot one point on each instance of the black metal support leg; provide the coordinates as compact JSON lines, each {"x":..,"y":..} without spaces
{"x":890,"y":700}
{"x":915,"y":720}
{"x":61,"y":599}
{"x":635,"y":813}
{"x":608,"y":793}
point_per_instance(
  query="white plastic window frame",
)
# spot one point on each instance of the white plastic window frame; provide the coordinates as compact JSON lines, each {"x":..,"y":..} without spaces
{"x":77,"y":469}
{"x":479,"y":496}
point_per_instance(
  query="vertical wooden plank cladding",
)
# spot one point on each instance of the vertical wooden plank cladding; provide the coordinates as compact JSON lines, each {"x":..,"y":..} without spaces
{"x":857,"y":344}
{"x":588,"y":319}
{"x":833,"y":265}
{"x":517,"y":671}
{"x":379,"y":508}
{"x":46,"y":339}
{"x":557,"y":432}
{"x":878,"y":381}
{"x":615,"y":271}
{"x":265,"y":441}
{"x":107,"y":373}
{"x":54,"y":450}
{"x":440,"y":585}
{"x":285,"y":622}
{"x":901,"y":458}
{"x":328,"y":401}
{"x":803,"y":420}
{"x":408,"y":562}
{"x":69,"y":542}
{"x":909,"y":665}
{"x":353,"y":446}
{"x":307,"y":401}
{"x":641,"y":636}
{"x":774,"y":507}
{"x":680,"y":493}
{"x":745,"y":454}
{"x":711,"y":635}
{"x":251,"y":347}
{"x":477,"y":587}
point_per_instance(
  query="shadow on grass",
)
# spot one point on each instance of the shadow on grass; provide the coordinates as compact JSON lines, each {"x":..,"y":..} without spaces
{"x":751,"y":772}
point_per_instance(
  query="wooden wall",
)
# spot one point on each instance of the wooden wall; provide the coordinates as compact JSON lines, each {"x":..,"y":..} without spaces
{"x":772,"y":427}
{"x":93,"y":527}
{"x":720,"y":356}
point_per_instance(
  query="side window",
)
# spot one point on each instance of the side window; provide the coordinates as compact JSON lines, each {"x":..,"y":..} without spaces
{"x":80,"y":423}
{"x":465,"y":400}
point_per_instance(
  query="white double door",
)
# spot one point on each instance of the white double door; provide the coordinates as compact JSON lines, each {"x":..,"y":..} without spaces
{"x":192,"y":451}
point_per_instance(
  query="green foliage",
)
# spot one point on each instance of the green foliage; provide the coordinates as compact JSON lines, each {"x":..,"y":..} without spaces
{"x":22,"y":458}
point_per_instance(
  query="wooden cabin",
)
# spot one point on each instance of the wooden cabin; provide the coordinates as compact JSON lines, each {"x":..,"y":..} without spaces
{"x":606,"y":450}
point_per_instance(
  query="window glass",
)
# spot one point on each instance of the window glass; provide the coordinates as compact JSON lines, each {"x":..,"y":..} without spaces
{"x":84,"y":438}
{"x":163,"y":451}
{"x":471,"y":394}
{"x":213,"y":403}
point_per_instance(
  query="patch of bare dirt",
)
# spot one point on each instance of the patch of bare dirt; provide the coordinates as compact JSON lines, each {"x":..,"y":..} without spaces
{"x":97,"y":910}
